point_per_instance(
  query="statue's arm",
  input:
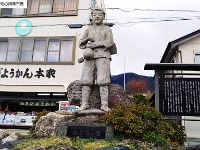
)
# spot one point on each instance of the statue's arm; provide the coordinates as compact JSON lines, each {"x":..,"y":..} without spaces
{"x":83,"y":41}
{"x":109,"y":39}
{"x":107,"y":43}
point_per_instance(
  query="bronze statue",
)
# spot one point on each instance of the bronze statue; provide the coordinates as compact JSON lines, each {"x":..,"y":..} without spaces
{"x":98,"y":45}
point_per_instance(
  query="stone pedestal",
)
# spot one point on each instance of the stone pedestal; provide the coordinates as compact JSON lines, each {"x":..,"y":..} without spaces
{"x":86,"y":125}
{"x":116,"y":95}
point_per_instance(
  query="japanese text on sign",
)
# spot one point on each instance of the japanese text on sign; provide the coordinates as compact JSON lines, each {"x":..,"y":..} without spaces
{"x":179,"y":96}
{"x":86,"y":132}
{"x":37,"y":103}
{"x":13,"y":3}
{"x":12,"y":73}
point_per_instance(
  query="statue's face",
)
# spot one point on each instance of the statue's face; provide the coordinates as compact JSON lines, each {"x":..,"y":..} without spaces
{"x":97,"y":17}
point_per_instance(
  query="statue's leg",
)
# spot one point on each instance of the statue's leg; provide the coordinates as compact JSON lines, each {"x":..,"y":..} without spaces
{"x":104,"y":98}
{"x":103,"y":80}
{"x":87,"y":80}
{"x":85,"y":97}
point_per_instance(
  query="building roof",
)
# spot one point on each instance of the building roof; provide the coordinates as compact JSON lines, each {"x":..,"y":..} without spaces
{"x":172,"y":66}
{"x":173,"y":45}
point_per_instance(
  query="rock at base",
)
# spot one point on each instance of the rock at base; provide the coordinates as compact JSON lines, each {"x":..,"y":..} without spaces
{"x":3,"y":134}
{"x":48,"y":124}
{"x":11,"y":140}
{"x":116,"y":95}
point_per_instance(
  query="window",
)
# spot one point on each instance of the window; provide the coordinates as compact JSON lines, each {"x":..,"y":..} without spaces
{"x":65,"y":6}
{"x":58,"y":7}
{"x":52,"y":7}
{"x":3,"y":49}
{"x":18,"y":11}
{"x":65,"y":51}
{"x":197,"y":58}
{"x":38,"y":50}
{"x":12,"y":11}
{"x":53,"y":50}
{"x":27,"y":50}
{"x":13,"y":50}
{"x":60,"y":49}
{"x":43,"y":7}
{"x":6,"y":11}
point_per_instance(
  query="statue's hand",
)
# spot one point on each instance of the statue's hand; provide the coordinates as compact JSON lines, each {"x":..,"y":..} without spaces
{"x":94,"y":45}
{"x":89,"y":44}
{"x":85,"y":41}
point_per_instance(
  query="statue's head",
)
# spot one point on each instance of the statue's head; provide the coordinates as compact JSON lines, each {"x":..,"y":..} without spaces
{"x":98,"y":15}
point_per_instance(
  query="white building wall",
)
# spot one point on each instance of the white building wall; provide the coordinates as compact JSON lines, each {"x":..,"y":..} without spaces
{"x":187,"y":54}
{"x":188,"y":50}
{"x":64,"y":73}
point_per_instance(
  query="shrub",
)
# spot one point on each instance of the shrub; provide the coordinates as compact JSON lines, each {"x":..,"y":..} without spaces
{"x":133,"y":120}
{"x":38,"y":115}
{"x":157,"y":139}
{"x":138,"y":119}
{"x":178,"y":135}
{"x":139,"y":99}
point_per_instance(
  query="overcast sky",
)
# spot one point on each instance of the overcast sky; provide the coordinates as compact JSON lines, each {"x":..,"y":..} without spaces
{"x":145,"y":42}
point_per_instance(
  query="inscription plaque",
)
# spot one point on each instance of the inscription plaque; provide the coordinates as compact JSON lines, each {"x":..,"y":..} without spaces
{"x":86,"y":132}
{"x":179,"y":96}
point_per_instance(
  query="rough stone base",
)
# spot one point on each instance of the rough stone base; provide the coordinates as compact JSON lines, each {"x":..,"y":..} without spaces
{"x":48,"y":124}
{"x":86,"y":125}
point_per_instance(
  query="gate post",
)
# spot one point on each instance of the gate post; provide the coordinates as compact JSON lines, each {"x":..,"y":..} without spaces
{"x":157,"y":89}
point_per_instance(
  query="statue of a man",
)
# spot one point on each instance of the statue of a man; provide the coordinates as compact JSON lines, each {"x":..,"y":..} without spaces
{"x":98,"y":44}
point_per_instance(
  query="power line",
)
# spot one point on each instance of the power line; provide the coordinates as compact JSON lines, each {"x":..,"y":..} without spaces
{"x":116,"y":23}
{"x":175,"y":10}
{"x":120,"y":18}
{"x":164,"y":20}
{"x":143,"y":20}
{"x":121,"y":9}
{"x":129,"y":23}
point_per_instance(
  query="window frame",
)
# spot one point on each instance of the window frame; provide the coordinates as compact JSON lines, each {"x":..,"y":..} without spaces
{"x":13,"y":15}
{"x":5,"y":41}
{"x":18,"y":51}
{"x":195,"y":54}
{"x":51,"y":14}
{"x":71,"y":38}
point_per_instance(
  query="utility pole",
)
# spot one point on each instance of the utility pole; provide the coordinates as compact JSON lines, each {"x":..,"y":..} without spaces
{"x":124,"y":76}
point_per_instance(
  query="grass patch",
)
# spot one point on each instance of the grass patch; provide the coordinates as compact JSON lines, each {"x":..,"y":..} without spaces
{"x":82,"y":144}
{"x":43,"y":142}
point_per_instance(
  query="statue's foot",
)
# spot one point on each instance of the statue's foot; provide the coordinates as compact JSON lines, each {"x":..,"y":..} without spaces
{"x":105,"y":108}
{"x":83,"y":107}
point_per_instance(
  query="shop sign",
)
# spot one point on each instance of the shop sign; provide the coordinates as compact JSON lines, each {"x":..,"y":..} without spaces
{"x":10,"y":119}
{"x":31,"y":103}
{"x":23,"y":27}
{"x":64,"y":105}
{"x":7,"y":119}
{"x":17,"y":73}
{"x":24,"y":120}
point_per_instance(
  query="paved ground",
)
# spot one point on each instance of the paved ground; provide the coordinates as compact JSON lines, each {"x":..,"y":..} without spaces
{"x":22,"y":131}
{"x":192,"y":142}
